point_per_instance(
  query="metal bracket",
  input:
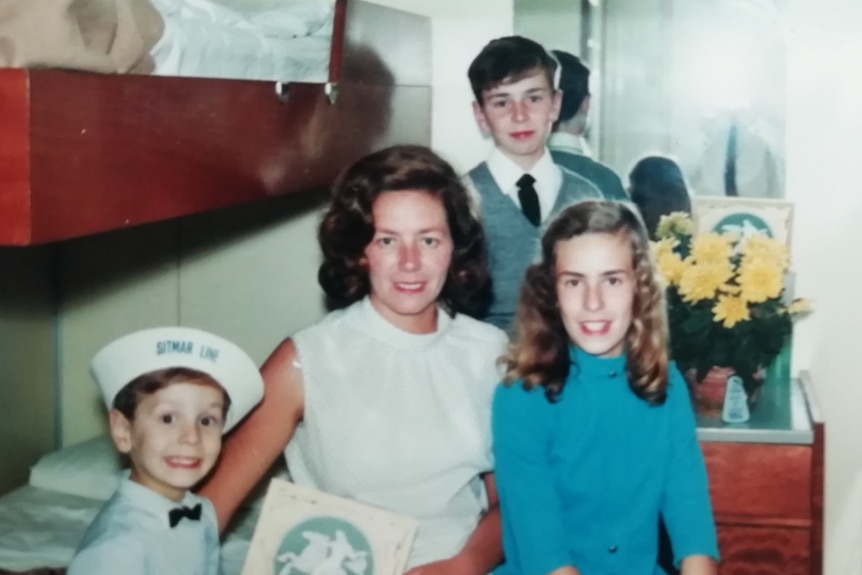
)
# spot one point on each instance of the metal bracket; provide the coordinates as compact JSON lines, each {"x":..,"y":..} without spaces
{"x":331,"y":91}
{"x":282,"y":91}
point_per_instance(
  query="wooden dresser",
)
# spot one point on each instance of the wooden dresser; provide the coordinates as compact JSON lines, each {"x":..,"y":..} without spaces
{"x":766,"y":483}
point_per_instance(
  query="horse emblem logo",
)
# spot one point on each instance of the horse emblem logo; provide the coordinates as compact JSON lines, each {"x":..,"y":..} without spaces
{"x":324,"y":546}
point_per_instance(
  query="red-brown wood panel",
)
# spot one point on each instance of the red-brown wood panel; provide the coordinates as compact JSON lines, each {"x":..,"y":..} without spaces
{"x":817,"y":471}
{"x":14,"y":158}
{"x":766,"y":481}
{"x":113,"y":151}
{"x":763,"y":551}
{"x":82,"y":153}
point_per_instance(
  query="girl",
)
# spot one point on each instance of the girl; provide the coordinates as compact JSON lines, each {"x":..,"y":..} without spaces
{"x":387,"y":400}
{"x":594,"y":437}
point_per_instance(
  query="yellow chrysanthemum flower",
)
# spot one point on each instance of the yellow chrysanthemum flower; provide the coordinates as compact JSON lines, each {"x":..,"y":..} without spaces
{"x":701,"y":281}
{"x":671,"y":266}
{"x":730,"y":310}
{"x":799,"y":306}
{"x":759,"y":280}
{"x":674,"y":224}
{"x":662,"y":247}
{"x":761,"y":247}
{"x":711,"y":248}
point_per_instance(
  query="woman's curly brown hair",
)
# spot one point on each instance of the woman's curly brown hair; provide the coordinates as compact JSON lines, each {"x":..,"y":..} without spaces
{"x":348,"y":227}
{"x":540,"y":353}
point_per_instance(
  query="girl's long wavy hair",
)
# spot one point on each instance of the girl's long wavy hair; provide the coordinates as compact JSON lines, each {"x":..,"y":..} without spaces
{"x":540,"y":352}
{"x":347,"y":227}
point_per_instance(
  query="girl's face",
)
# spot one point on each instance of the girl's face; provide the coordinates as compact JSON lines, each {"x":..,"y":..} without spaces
{"x":408,"y":258}
{"x":595,"y":287}
{"x":175,"y":437}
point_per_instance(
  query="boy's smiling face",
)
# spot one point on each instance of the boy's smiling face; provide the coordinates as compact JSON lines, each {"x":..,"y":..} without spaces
{"x":519,"y":115}
{"x":175,"y":437}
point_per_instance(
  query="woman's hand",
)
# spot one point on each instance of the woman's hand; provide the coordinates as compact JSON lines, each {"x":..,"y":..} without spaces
{"x":699,"y":565}
{"x":453,"y":566}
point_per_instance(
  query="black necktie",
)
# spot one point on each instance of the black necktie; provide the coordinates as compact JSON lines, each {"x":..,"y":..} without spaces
{"x":529,"y":199}
{"x":177,"y":513}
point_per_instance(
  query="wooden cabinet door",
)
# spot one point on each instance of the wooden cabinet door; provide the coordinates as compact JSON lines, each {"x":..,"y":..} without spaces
{"x":763,"y":550}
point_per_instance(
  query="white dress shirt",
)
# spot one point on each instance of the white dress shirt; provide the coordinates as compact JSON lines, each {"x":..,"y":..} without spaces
{"x":547,"y":174}
{"x":132,"y":535}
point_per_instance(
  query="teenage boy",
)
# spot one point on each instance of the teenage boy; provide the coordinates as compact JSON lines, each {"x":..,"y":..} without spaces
{"x":171,"y":393}
{"x":519,"y":187}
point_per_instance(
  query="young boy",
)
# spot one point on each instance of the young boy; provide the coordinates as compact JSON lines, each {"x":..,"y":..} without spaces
{"x":519,"y":187}
{"x":171,"y":392}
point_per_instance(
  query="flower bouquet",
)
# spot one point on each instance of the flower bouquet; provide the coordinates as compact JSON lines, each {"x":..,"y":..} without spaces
{"x":726,"y":303}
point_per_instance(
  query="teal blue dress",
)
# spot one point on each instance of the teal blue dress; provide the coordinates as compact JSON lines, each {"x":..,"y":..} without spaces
{"x":583,"y":481}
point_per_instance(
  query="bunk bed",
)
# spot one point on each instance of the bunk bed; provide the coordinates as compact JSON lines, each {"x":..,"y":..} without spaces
{"x":84,"y":152}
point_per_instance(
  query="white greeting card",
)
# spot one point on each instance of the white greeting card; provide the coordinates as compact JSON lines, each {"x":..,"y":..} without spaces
{"x":302,"y":531}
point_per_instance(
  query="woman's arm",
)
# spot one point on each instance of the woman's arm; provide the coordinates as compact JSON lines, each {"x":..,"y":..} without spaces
{"x":483,"y":550}
{"x":699,"y":565}
{"x":250,"y":450}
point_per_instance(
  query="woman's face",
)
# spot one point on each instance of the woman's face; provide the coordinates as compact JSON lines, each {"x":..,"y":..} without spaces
{"x":595,"y":290}
{"x":408,"y":258}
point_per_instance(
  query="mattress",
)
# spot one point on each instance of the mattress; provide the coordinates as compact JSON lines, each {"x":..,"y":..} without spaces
{"x":42,"y":528}
{"x":283,"y":40}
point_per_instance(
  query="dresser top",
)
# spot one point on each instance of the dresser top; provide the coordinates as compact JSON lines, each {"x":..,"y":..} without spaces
{"x":781,"y":415}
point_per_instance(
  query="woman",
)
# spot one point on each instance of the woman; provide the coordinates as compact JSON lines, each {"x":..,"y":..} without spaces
{"x":387,"y":399}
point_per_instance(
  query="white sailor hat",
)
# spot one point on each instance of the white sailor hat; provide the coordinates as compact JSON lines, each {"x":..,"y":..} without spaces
{"x":137,"y":353}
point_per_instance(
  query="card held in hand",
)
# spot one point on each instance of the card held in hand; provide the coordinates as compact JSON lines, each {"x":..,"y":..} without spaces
{"x":303,"y":531}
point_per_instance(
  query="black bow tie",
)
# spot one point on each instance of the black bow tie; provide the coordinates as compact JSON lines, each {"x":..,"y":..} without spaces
{"x":177,"y":513}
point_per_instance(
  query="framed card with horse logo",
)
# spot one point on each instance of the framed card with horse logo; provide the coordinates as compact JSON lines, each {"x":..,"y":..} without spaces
{"x":744,"y":216}
{"x":302,"y":531}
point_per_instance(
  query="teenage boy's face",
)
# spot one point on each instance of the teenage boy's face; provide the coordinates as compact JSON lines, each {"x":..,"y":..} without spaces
{"x":175,"y":437}
{"x":518,"y":115}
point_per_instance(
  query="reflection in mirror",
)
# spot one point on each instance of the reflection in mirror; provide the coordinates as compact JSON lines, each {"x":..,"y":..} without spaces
{"x":702,"y":81}
{"x":284,"y":40}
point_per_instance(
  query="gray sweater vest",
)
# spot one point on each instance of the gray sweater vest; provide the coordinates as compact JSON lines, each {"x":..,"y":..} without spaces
{"x":513,"y":242}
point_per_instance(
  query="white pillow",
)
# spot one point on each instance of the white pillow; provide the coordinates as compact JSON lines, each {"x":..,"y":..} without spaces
{"x":89,"y":469}
{"x":94,"y":469}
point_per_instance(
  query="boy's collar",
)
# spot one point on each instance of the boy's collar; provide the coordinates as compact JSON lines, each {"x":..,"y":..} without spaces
{"x":148,"y":500}
{"x":566,"y":142}
{"x":506,"y":172}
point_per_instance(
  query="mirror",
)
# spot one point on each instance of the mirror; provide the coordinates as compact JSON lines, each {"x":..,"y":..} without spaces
{"x":702,"y":81}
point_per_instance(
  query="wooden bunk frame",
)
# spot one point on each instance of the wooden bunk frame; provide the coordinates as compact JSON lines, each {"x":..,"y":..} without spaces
{"x":82,"y":153}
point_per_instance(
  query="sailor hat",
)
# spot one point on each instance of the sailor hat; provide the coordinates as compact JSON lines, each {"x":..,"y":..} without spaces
{"x":140,"y":352}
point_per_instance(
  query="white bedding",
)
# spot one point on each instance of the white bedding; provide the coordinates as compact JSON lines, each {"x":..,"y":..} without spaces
{"x":41,"y":528}
{"x":42,"y":523}
{"x":280,"y":41}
